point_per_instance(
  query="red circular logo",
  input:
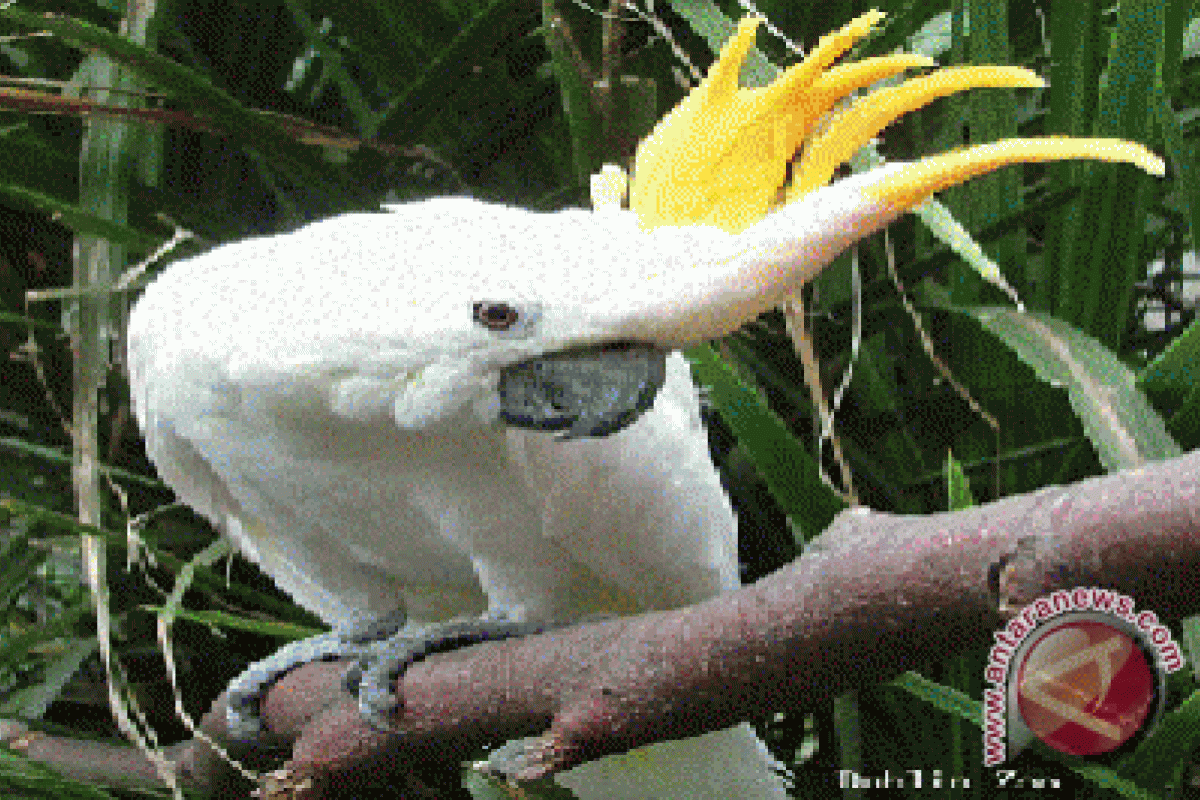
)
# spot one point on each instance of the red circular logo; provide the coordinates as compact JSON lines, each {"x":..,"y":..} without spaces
{"x":1085,"y":688}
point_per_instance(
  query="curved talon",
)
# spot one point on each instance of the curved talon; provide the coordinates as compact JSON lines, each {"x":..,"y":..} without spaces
{"x":243,"y":716}
{"x":378,"y":673}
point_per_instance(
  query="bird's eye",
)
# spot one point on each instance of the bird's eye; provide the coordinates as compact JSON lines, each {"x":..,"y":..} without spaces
{"x":495,"y":316}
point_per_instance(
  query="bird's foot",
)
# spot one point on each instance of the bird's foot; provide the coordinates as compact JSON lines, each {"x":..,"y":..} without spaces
{"x":384,"y":660}
{"x":246,"y":692}
{"x":383,"y":649}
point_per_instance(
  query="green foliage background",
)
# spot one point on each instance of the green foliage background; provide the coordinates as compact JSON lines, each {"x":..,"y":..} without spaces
{"x":495,"y":99}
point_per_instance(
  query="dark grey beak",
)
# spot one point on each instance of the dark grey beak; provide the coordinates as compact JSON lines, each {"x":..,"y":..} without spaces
{"x":592,"y":391}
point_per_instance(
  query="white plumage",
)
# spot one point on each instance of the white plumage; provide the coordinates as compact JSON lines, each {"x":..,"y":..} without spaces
{"x":326,"y":399}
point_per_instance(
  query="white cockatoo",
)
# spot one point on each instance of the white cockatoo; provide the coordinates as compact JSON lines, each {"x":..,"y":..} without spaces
{"x":331,"y":398}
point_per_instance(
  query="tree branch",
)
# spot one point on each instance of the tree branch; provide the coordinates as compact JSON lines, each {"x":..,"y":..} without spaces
{"x":875,"y":595}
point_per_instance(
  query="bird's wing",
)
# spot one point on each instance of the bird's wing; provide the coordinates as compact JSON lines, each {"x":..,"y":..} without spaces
{"x":336,"y":530}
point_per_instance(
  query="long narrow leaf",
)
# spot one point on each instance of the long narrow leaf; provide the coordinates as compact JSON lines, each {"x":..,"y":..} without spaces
{"x":790,"y":472}
{"x":1125,"y":430}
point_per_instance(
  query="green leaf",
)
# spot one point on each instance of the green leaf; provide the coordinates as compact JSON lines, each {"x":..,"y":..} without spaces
{"x":1159,"y":757}
{"x":488,"y":787}
{"x":411,"y":107}
{"x":364,"y":118}
{"x":18,"y":561}
{"x":21,"y":777}
{"x":17,"y":649}
{"x":57,"y":456}
{"x":283,"y":630}
{"x":958,"y":488}
{"x":1178,"y":366}
{"x":583,"y":120}
{"x":33,"y":701}
{"x":791,"y":474}
{"x":941,"y":697}
{"x":1125,"y":430}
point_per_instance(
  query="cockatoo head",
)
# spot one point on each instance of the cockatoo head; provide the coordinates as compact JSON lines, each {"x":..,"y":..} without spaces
{"x":716,"y":234}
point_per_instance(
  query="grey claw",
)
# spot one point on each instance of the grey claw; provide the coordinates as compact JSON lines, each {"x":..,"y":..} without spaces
{"x":243,"y":716}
